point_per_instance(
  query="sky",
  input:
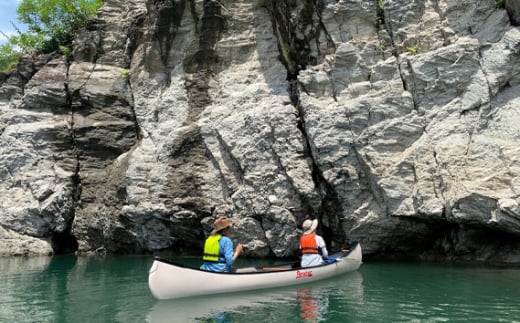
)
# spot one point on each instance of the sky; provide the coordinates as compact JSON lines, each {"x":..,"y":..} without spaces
{"x":8,"y":14}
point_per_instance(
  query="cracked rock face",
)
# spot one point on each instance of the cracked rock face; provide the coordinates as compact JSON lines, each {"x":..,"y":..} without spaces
{"x":395,"y":123}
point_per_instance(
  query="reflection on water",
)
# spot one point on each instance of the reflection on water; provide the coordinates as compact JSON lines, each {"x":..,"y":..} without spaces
{"x":309,"y":305}
{"x":73,"y":289}
{"x":217,"y":307}
{"x":43,"y":276}
{"x":310,"y":302}
{"x":313,"y":305}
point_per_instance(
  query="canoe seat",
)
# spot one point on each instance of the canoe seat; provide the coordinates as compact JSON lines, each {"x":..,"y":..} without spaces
{"x":280,"y":268}
{"x":246,"y":270}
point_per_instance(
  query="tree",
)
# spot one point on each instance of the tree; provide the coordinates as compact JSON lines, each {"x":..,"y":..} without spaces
{"x":52,"y":23}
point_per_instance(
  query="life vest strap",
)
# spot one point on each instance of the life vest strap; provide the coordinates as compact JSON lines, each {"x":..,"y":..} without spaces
{"x":207,"y":256}
{"x":309,"y":250}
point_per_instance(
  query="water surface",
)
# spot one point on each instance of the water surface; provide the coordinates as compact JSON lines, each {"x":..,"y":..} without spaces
{"x":114,"y":289}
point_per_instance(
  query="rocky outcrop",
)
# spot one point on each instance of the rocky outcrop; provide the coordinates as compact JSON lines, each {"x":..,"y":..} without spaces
{"x":393,"y":122}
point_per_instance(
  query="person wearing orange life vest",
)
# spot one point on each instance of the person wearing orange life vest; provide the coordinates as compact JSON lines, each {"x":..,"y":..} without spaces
{"x":218,"y":248}
{"x":312,"y":246}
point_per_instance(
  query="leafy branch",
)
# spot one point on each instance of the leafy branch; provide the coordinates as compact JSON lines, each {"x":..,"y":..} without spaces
{"x":51,"y":25}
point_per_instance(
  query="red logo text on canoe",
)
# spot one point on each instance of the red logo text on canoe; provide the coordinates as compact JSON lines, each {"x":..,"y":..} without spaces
{"x":303,"y":274}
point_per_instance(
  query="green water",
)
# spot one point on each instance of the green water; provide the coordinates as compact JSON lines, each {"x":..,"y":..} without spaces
{"x":114,"y":289}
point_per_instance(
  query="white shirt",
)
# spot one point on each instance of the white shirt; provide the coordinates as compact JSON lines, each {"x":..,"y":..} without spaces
{"x":315,"y":259}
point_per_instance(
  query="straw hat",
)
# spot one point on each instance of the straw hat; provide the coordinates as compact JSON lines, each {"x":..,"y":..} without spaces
{"x":310,"y":226}
{"x":220,"y":224}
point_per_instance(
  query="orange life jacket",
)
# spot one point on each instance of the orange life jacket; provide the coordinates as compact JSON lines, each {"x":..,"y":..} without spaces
{"x":308,"y":243}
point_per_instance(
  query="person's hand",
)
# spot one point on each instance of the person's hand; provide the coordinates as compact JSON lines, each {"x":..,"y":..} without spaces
{"x":238,"y":250}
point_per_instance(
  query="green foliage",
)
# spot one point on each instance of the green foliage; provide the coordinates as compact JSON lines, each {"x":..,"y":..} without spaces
{"x":9,"y":57}
{"x":65,"y":50}
{"x":125,"y":74}
{"x":413,"y":49}
{"x":380,"y":4}
{"x":501,"y":4}
{"x":52,"y":23}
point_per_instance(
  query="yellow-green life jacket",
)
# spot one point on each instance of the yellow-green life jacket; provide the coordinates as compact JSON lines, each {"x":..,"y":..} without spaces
{"x":212,"y":249}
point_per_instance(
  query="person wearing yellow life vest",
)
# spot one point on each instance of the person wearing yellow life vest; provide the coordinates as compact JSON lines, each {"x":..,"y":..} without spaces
{"x":312,"y":246}
{"x":218,"y":248}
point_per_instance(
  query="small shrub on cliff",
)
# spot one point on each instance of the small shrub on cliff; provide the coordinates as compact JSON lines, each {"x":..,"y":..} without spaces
{"x":413,"y":49}
{"x":65,"y":50}
{"x":125,"y":74}
{"x":9,"y":57}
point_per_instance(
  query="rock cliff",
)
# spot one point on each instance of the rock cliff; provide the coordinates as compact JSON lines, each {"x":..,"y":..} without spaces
{"x":396,"y":123}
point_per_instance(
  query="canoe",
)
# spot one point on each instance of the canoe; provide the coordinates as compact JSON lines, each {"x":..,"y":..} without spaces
{"x":169,"y":280}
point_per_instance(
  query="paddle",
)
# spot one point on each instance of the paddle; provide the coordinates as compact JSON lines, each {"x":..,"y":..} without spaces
{"x":337,"y":255}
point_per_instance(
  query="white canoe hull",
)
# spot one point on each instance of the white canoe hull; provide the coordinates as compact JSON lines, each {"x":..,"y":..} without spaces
{"x":168,"y":281}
